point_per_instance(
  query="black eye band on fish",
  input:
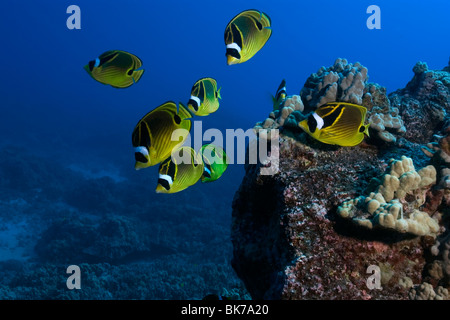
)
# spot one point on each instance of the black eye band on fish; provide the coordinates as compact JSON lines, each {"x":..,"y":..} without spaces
{"x":91,"y":65}
{"x":194,"y":102}
{"x":140,"y":157}
{"x":140,"y":153}
{"x":233,"y":52}
{"x":164,"y":182}
{"x":312,"y":123}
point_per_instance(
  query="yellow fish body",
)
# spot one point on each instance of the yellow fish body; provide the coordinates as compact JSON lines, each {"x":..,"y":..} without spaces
{"x":246,"y":34}
{"x":152,"y":137}
{"x":337,"y":123}
{"x":204,"y":97}
{"x":181,"y":170}
{"x":117,"y":68}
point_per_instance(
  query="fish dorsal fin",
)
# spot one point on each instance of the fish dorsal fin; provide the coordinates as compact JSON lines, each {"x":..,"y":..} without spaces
{"x":262,"y":18}
{"x":169,"y":107}
{"x":108,"y":56}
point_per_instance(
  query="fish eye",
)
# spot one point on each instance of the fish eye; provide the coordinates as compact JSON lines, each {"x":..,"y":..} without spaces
{"x":130,"y":72}
{"x":361,"y":129}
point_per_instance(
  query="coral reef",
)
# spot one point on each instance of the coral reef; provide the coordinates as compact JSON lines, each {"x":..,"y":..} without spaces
{"x":344,"y":82}
{"x":289,"y":115}
{"x":423,"y":103}
{"x":289,"y":243}
{"x":341,"y":82}
{"x":396,"y":202}
{"x":307,"y":233}
{"x":439,"y":151}
{"x":425,"y":291}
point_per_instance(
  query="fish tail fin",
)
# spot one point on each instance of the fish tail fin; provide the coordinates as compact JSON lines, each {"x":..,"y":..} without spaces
{"x":275,"y":103}
{"x":137,"y":74}
{"x":366,"y":129}
{"x":218,"y":93}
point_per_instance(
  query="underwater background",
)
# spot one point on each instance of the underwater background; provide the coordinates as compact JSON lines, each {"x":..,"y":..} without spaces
{"x":69,"y":193}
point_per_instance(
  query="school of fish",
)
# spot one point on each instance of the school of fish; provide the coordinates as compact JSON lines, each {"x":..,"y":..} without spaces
{"x":158,"y":137}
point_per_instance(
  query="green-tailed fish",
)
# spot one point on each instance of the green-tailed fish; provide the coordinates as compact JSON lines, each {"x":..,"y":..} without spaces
{"x":117,"y":68}
{"x":152,"y":137}
{"x":215,"y":162}
{"x":338,"y":123}
{"x":246,"y":34}
{"x":280,"y":95}
{"x":179,"y":171}
{"x":204,"y":97}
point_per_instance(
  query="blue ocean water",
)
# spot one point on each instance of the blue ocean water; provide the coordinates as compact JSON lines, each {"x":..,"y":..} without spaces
{"x":66,"y":161}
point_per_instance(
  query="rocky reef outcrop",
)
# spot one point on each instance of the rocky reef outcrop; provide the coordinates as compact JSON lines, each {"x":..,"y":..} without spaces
{"x":363,"y":222}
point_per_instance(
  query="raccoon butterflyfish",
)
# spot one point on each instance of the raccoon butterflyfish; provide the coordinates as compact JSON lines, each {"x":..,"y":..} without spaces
{"x":204,"y":97}
{"x":280,"y":95}
{"x":152,"y":137}
{"x":337,"y":123}
{"x":215,"y":162}
{"x":179,"y":171}
{"x":117,"y":68}
{"x":246,"y":34}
